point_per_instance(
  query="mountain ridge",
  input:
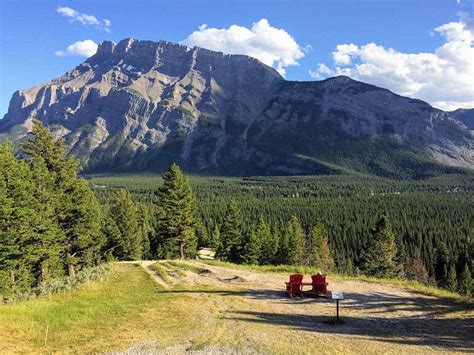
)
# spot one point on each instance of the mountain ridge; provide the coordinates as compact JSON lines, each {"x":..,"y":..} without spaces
{"x":140,"y":105}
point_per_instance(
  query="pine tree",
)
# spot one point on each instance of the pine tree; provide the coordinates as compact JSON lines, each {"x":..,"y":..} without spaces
{"x":268,"y":245}
{"x":326,"y":262}
{"x":30,"y":240}
{"x":203,"y":240}
{"x":128,"y":246}
{"x":216,"y":237}
{"x":44,"y":250}
{"x":315,"y":245}
{"x":444,"y":281}
{"x":77,"y":211}
{"x":452,"y":282}
{"x":465,"y":281}
{"x":379,"y":257}
{"x":154,"y":239}
{"x":414,"y":268}
{"x":295,"y":241}
{"x":441,"y":267}
{"x":81,"y":222}
{"x":177,"y":217}
{"x":251,"y":250}
{"x":281,"y":256}
{"x":145,"y":230}
{"x":16,"y":215}
{"x":231,"y":235}
{"x":318,"y":249}
{"x":112,"y":237}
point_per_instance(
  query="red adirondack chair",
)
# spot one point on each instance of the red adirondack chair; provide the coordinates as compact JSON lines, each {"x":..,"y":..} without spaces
{"x":319,"y":285}
{"x":294,"y":286}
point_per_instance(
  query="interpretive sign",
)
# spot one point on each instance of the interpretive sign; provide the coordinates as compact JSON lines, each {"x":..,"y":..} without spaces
{"x":337,"y":296}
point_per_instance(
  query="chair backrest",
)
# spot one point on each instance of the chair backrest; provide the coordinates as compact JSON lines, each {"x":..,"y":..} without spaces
{"x":296,"y":278}
{"x":318,"y":279}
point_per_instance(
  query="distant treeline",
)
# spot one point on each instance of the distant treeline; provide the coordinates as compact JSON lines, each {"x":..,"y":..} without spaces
{"x":431,"y":220}
{"x":53,"y":224}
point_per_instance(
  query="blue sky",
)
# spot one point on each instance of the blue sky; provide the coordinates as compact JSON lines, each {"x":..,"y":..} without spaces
{"x":396,"y":44}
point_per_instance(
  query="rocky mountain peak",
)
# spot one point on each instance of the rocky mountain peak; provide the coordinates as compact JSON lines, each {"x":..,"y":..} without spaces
{"x":141,"y":105}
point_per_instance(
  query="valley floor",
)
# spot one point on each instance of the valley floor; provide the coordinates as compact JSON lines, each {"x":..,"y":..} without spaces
{"x":195,"y":306}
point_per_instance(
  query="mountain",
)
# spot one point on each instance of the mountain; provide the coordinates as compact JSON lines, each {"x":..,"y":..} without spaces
{"x":466,"y":116}
{"x":140,"y":105}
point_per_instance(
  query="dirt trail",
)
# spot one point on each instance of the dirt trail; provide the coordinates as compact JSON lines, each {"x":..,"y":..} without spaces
{"x":145,"y":264}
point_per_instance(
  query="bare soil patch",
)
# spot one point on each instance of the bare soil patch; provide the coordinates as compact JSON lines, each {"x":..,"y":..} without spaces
{"x":378,"y":317}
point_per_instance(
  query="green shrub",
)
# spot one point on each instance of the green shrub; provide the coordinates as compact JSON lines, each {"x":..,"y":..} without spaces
{"x":96,"y":273}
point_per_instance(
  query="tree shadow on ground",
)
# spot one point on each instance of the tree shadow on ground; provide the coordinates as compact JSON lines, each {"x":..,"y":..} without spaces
{"x":416,"y":320}
{"x":378,"y":302}
{"x":450,"y":333}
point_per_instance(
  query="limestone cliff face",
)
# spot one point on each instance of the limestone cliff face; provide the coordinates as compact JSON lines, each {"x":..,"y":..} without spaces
{"x":141,"y":105}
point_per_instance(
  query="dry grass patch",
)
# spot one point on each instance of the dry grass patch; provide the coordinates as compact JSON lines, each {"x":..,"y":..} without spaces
{"x":188,"y":267}
{"x":102,"y":316}
{"x":161,"y":272}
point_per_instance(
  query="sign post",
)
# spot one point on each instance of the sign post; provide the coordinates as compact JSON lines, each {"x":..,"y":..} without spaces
{"x":336,"y":295}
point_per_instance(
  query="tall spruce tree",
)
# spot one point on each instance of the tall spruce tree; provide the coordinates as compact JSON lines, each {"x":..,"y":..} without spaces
{"x":216,"y":237}
{"x":441,"y":266}
{"x":296,"y":242}
{"x":177,"y":218}
{"x":45,"y":250}
{"x":268,"y":245}
{"x":281,"y":256}
{"x":452,"y":281}
{"x":326,"y":262}
{"x":112,"y":237}
{"x":77,"y":211}
{"x":465,"y":281}
{"x":319,"y":254}
{"x":414,"y":268}
{"x":379,"y":256}
{"x":124,"y":213}
{"x":251,"y":250}
{"x":202,"y":237}
{"x":315,"y":245}
{"x":145,"y":230}
{"x":231,"y":235}
{"x":17,"y":221}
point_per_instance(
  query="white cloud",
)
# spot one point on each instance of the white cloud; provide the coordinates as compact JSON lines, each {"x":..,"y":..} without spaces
{"x":343,"y":53}
{"x":444,"y":78}
{"x":272,"y":46}
{"x":84,"y":48}
{"x":321,"y":72}
{"x":86,"y":20}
